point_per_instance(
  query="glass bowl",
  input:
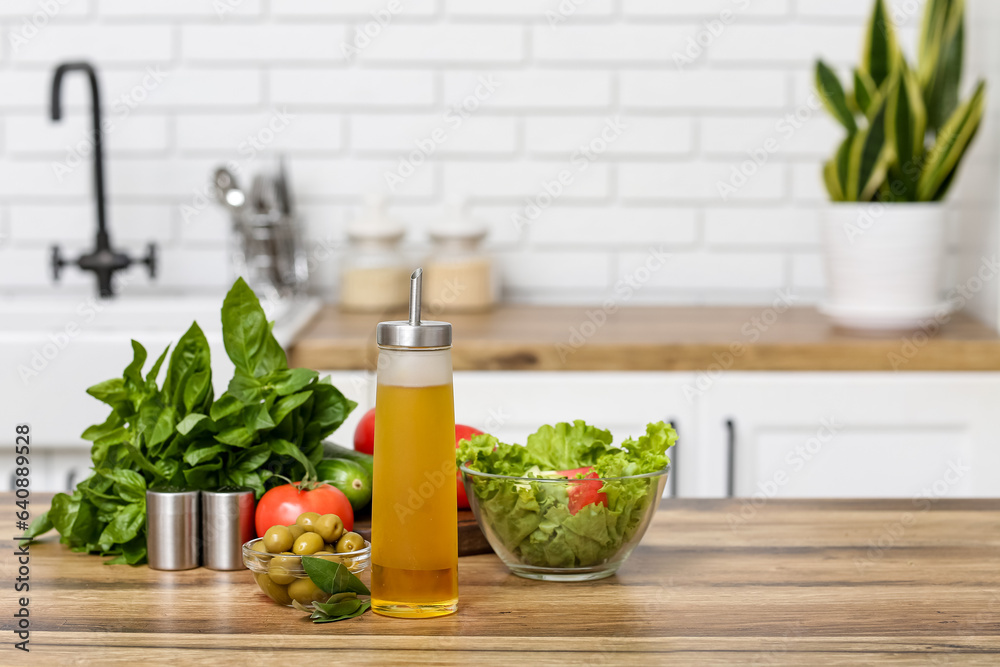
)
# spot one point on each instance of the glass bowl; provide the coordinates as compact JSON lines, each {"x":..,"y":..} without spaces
{"x":292,"y":582}
{"x":563,"y":529}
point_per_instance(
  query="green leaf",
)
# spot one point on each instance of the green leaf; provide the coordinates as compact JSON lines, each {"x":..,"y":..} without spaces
{"x":244,"y":328}
{"x":939,"y":58}
{"x":246,"y":388}
{"x":238,"y":436}
{"x":291,"y":380}
{"x":906,"y":123}
{"x":226,"y":405}
{"x":98,"y":431}
{"x":566,"y":446}
{"x":323,"y":618}
{"x":193,"y":457}
{"x":110,"y":391}
{"x":253,"y":458}
{"x":833,"y":97}
{"x":283,"y":407}
{"x":129,"y":485}
{"x":127,"y":523}
{"x":866,"y":168}
{"x":133,"y":372}
{"x":286,"y":448}
{"x":191,"y":357}
{"x":188,"y":424}
{"x":880,"y":54}
{"x":333,"y":578}
{"x":865,"y":91}
{"x":952,"y":143}
{"x":42,"y":524}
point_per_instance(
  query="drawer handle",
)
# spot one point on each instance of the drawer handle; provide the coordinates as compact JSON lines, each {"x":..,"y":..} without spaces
{"x":731,"y":447}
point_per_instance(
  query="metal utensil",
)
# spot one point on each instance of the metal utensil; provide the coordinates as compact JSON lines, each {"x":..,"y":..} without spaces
{"x":227,"y":190}
{"x":172,"y":526}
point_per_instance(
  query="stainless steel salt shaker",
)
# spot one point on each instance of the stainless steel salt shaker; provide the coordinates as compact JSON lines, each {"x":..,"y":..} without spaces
{"x":228,"y":522}
{"x":172,"y":525}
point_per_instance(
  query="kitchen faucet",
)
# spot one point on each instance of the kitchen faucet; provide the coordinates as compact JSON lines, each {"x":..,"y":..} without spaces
{"x":103,"y":260}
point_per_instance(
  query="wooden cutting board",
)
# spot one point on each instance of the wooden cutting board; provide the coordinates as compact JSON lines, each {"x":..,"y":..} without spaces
{"x":471,"y":540}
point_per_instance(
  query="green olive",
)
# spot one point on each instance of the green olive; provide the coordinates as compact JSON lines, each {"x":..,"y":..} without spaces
{"x":329,"y":527}
{"x":278,"y":592}
{"x":259,"y":546}
{"x":350,"y":542}
{"x":282,"y":569}
{"x":305,"y":591}
{"x":307,"y":544}
{"x":296,"y":531}
{"x":308,"y":520}
{"x":278,"y":539}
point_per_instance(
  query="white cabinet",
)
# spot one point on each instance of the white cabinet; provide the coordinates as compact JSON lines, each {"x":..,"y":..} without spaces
{"x":862,"y":435}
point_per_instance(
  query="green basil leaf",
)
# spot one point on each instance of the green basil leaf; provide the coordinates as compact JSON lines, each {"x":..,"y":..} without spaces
{"x":194,"y":457}
{"x":110,"y":391}
{"x":244,"y":327}
{"x":190,"y":356}
{"x":188,"y":424}
{"x":253,"y":458}
{"x":226,"y":405}
{"x":204,"y":476}
{"x":127,"y":523}
{"x":98,"y":431}
{"x":342,"y":608}
{"x":286,"y":448}
{"x":41,"y":524}
{"x":237,"y":437}
{"x":246,"y":388}
{"x":291,"y":380}
{"x":333,"y":578}
{"x":130,"y":485}
{"x":133,"y":372}
{"x":283,"y":407}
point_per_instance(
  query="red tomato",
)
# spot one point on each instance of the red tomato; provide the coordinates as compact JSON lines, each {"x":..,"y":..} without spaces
{"x":463,"y":432}
{"x":364,"y":434}
{"x":584,"y":492}
{"x":283,"y":505}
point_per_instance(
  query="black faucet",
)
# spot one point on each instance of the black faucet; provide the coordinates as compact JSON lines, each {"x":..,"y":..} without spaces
{"x":103,"y":261}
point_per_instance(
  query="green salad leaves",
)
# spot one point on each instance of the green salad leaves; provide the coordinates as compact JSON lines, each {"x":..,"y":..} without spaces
{"x":537,"y":522}
{"x":270,"y":421}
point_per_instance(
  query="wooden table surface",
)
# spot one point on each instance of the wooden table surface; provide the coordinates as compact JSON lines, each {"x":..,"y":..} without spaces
{"x":713,"y":583}
{"x":520,"y":337}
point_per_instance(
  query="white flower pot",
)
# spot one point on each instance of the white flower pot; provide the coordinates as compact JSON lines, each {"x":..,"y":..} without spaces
{"x":884,"y":264}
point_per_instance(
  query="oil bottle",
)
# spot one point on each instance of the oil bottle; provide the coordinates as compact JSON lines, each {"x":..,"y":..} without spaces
{"x":414,"y":513}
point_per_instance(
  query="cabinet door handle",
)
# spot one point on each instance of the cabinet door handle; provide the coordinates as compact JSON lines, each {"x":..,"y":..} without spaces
{"x":672,"y":483}
{"x":731,"y":447}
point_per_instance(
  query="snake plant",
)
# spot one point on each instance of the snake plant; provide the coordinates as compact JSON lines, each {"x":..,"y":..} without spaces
{"x":907,"y":130}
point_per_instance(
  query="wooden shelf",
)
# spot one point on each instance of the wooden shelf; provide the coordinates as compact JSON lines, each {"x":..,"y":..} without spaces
{"x":566,"y":338}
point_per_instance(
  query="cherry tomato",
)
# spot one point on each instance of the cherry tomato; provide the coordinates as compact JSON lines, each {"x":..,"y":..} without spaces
{"x":283,"y":504}
{"x":463,"y":432}
{"x":364,"y":434}
{"x":584,"y":492}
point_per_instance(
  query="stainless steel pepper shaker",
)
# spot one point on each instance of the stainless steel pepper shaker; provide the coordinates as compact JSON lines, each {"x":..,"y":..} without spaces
{"x":228,"y":522}
{"x":172,"y":524}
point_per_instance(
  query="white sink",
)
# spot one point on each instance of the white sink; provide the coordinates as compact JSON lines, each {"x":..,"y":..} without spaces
{"x":53,"y":347}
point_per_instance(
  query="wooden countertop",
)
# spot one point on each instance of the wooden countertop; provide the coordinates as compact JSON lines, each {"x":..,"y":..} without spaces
{"x":794,"y":582}
{"x":658,"y":339}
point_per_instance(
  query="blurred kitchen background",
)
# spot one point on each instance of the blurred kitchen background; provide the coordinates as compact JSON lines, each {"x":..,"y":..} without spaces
{"x":427,"y":104}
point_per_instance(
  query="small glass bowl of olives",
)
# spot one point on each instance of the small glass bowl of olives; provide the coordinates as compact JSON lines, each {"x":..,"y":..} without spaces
{"x":275,"y":560}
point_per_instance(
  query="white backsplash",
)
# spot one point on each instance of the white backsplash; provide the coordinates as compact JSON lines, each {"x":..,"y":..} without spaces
{"x":490,"y":100}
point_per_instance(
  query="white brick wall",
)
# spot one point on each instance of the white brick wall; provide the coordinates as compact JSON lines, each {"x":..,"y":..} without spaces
{"x":519,"y":88}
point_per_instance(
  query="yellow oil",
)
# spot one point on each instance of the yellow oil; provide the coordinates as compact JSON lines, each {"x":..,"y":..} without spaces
{"x":414,"y":514}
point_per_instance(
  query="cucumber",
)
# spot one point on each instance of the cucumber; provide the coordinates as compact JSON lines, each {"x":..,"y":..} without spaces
{"x":334,"y":451}
{"x":350,"y":477}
